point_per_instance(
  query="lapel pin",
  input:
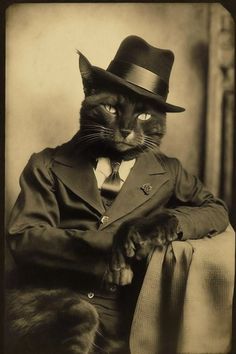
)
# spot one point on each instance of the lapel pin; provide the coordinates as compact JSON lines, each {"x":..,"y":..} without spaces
{"x":146,"y":188}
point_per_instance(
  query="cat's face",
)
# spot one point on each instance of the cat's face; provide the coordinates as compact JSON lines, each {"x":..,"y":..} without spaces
{"x":115,"y":120}
{"x":121,"y":121}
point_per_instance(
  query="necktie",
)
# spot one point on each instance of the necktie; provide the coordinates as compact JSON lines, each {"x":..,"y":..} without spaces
{"x":112,"y":184}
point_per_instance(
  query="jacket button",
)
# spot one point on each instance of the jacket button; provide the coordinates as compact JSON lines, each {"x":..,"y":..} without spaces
{"x":104,"y":219}
{"x":113,"y":288}
{"x":90,"y":295}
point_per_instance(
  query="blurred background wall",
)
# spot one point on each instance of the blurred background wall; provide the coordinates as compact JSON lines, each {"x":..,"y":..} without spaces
{"x":44,"y":89}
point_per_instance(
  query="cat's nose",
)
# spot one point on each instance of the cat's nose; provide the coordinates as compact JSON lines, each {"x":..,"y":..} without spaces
{"x":125,"y":132}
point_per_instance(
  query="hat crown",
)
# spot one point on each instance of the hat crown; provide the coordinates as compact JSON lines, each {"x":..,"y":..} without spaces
{"x":136,"y":50}
{"x":137,"y":66}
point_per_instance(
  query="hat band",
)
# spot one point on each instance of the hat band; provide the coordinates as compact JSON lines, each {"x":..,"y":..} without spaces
{"x":139,"y":76}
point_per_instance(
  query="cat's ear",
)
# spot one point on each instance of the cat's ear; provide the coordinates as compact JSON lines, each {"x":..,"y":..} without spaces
{"x":86,"y":73}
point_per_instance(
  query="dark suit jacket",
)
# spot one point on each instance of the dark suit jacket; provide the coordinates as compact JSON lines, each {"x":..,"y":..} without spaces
{"x":58,"y":219}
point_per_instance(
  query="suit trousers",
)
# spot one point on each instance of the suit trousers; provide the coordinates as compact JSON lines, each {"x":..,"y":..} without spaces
{"x":114,"y":327}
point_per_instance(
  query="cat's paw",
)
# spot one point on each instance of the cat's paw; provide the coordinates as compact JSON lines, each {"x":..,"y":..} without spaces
{"x":119,"y":276}
{"x":119,"y":272}
{"x":166,"y":229}
{"x":137,"y":245}
{"x":141,"y":235}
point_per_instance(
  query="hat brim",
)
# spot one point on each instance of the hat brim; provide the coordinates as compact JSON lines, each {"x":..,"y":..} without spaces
{"x":104,"y":74}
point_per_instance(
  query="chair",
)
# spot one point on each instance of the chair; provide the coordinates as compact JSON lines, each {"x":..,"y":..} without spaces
{"x":186,"y":300}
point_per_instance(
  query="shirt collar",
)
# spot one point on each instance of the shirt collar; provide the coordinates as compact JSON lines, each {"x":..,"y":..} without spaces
{"x":103,"y":166}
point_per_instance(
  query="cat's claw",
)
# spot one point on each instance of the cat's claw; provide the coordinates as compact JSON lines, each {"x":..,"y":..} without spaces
{"x":119,"y":276}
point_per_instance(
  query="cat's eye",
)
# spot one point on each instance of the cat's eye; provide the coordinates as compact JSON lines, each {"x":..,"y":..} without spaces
{"x":144,"y":116}
{"x":109,"y":108}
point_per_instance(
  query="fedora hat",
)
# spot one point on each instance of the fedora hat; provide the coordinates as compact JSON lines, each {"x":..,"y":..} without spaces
{"x":142,"y":68}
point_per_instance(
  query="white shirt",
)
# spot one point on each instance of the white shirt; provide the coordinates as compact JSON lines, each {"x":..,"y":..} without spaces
{"x":103,"y":170}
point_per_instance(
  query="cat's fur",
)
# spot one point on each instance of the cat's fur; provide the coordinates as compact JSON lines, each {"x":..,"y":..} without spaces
{"x":47,"y":321}
{"x":58,"y":320}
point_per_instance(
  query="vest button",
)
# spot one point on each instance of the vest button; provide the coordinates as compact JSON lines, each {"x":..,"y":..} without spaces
{"x":104,"y":219}
{"x":90,"y":295}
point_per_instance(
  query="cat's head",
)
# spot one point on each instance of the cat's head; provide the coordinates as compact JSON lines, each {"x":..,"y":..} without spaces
{"x":116,"y":121}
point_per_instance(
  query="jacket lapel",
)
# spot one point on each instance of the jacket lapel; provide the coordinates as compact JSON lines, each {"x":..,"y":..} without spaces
{"x":148,"y":171}
{"x":76,"y":172}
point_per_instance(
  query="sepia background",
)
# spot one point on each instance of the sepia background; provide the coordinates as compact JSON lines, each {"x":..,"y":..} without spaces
{"x":44,"y":88}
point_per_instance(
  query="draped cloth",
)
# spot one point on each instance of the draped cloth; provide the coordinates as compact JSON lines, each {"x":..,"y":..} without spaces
{"x":185,"y":303}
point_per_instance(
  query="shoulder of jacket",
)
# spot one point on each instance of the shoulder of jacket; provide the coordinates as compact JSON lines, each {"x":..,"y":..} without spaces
{"x":46,"y":157}
{"x":42,"y":158}
{"x":169,"y":163}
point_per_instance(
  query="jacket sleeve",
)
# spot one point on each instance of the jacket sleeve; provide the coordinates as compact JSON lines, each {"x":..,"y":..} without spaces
{"x":199,"y":213}
{"x":34,"y":233}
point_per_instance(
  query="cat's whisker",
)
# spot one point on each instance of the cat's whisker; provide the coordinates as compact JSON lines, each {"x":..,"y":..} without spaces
{"x":91,"y":135}
{"x":88,"y":134}
{"x":150,"y":146}
{"x":154,"y":141}
{"x":100,"y":334}
{"x":95,"y":126}
{"x":149,"y":140}
{"x":149,"y":143}
{"x":91,"y":138}
{"x":100,"y":134}
{"x":87,"y":141}
{"x":93,"y":130}
{"x":98,"y":347}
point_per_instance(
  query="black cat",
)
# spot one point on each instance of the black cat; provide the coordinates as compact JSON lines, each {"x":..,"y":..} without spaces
{"x":53,"y":228}
{"x":117,"y":124}
{"x":121,"y":125}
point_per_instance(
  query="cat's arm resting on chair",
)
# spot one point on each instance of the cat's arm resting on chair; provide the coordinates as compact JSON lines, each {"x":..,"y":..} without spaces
{"x":199,"y":213}
{"x":196,"y":213}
